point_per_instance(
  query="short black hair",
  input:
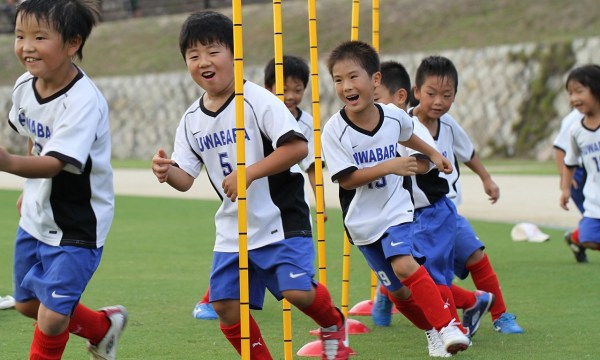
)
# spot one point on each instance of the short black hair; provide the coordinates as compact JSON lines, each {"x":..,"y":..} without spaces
{"x":206,"y":27}
{"x":394,"y":76}
{"x":358,"y":51}
{"x":293,"y":66}
{"x":70,"y":18}
{"x":588,"y":76}
{"x":437,"y":66}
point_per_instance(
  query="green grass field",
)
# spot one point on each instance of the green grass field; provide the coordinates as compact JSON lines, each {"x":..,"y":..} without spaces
{"x":157,"y":260}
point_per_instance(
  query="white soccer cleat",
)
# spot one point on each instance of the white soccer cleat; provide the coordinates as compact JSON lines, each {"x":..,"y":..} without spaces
{"x":6,"y":302}
{"x":435,"y":345}
{"x":453,"y":338}
{"x":107,"y":347}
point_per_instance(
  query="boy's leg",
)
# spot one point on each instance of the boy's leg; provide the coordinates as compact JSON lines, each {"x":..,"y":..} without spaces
{"x":224,"y":296}
{"x":45,"y":347}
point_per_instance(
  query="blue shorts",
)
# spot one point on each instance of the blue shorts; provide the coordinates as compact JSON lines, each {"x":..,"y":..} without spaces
{"x":397,"y":240}
{"x":465,"y":245}
{"x":589,"y":230}
{"x":579,"y":177}
{"x":284,"y":265}
{"x":55,"y":275}
{"x":434,"y":236}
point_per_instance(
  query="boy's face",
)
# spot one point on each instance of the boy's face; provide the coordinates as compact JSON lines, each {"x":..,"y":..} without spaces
{"x":436,"y":96}
{"x":581,"y":98}
{"x":41,"y":49}
{"x":293,"y":92}
{"x":211,"y":67}
{"x":353,"y":85}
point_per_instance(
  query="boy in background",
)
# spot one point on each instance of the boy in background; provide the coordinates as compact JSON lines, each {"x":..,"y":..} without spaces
{"x":280,"y":245}
{"x":435,"y":89}
{"x":360,"y":143}
{"x":67,"y":204}
{"x":583,"y":86}
{"x":561,"y":143}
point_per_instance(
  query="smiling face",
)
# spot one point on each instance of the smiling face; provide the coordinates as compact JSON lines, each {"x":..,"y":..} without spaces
{"x":436,"y":96}
{"x":211,"y":67}
{"x":353,"y":86}
{"x":582,"y":99}
{"x":42,"y":51}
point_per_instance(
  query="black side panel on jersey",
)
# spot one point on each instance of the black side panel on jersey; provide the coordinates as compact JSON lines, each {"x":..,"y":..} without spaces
{"x":70,"y":199}
{"x":346,"y":197}
{"x":434,"y":186}
{"x":287,"y":193}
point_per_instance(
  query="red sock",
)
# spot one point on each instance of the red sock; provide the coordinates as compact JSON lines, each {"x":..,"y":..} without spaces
{"x":575,"y":236}
{"x":258,"y":347}
{"x":463,"y":299}
{"x":450,"y":305}
{"x":89,"y":324}
{"x":322,"y":310}
{"x":44,"y":347}
{"x":485,"y":279}
{"x":410,"y":309}
{"x":428,"y":297}
{"x":205,"y":297}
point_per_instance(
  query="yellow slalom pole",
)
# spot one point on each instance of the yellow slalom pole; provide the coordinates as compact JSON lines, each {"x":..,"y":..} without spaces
{"x":355,"y":17}
{"x":316,"y":112}
{"x":375,"y":40}
{"x":279,"y":80}
{"x":238,"y":61}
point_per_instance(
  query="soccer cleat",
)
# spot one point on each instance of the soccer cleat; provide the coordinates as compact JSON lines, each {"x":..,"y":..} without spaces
{"x":106,"y":349}
{"x":507,"y":324}
{"x":382,"y":309}
{"x":472,"y":316}
{"x":453,"y":338}
{"x":578,"y":250}
{"x":334,"y":343}
{"x":435,"y":345}
{"x":204,"y":311}
{"x":6,"y":302}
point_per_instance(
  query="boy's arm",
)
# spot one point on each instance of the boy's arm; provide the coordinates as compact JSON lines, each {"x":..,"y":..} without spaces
{"x":31,"y":167}
{"x":416,"y":143}
{"x":165,"y":171}
{"x":565,"y":186}
{"x":489,"y":186}
{"x":284,"y":157}
{"x":401,"y":166}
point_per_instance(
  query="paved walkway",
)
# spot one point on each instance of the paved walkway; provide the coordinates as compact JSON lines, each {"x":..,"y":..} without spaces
{"x":522,"y":198}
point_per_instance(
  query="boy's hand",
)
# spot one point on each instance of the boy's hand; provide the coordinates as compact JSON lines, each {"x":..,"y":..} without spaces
{"x":404,"y":166}
{"x":161,"y":165}
{"x":493,"y":191}
{"x":230,"y":186}
{"x":443,"y":165}
{"x":565,"y":195}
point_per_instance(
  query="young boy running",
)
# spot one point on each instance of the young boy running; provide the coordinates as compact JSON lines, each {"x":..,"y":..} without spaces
{"x":435,"y":89}
{"x":296,"y":74}
{"x":360,"y":143}
{"x":583,"y":86}
{"x":67,"y":202}
{"x":280,"y":245}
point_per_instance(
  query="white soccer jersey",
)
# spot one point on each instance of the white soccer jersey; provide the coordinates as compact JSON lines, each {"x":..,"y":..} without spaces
{"x":75,"y":207}
{"x":371,"y":209}
{"x":277,"y":206}
{"x":429,"y":187}
{"x":305,"y":121}
{"x":584,"y":144}
{"x":454,"y":143}
{"x":561,"y":141}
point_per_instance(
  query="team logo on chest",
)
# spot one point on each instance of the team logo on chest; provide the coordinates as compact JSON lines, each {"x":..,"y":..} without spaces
{"x":217,"y":139}
{"x":375,"y":155}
